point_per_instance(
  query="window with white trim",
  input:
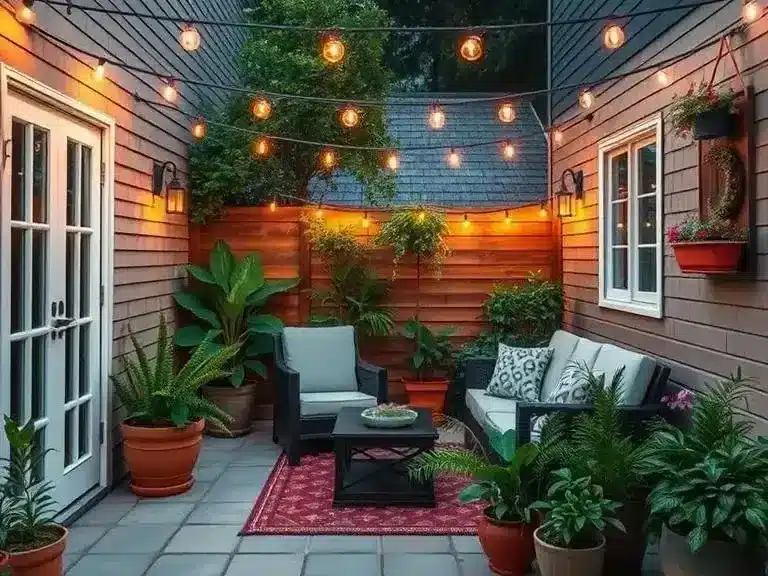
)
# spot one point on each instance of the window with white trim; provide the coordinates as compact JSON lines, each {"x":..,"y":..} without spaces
{"x":630,"y":202}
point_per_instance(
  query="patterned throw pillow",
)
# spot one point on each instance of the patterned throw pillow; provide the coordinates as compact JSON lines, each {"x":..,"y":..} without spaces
{"x":519,"y":372}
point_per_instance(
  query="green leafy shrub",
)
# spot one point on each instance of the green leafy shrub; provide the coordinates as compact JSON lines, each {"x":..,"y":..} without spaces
{"x":420,"y":232}
{"x":432,"y":350}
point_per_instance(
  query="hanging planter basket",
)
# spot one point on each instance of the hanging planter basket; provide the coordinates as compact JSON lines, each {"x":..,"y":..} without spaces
{"x":709,"y":257}
{"x":712,"y":124}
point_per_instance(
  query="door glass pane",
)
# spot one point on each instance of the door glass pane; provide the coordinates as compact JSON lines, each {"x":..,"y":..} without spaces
{"x":646,"y":220}
{"x":619,"y":176}
{"x":71,"y":182}
{"x":70,"y":280}
{"x":69,"y":437}
{"x":38,"y":376}
{"x":83,"y":356}
{"x":69,"y":367}
{"x":85,"y":275}
{"x":646,"y":269}
{"x":18,"y":273}
{"x":619,"y":269}
{"x":83,"y":429}
{"x":646,"y":166}
{"x":38,"y":473}
{"x":85,"y":191}
{"x":619,"y":221}
{"x":18,"y":359}
{"x":39,"y":276}
{"x":40,"y":176}
{"x":18,"y":163}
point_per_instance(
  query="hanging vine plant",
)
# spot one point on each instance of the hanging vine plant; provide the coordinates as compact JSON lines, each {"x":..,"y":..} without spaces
{"x":420,"y":232}
{"x":731,"y":195}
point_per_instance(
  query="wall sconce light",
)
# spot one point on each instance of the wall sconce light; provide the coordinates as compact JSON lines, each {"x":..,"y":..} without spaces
{"x":175,"y":193}
{"x":564,"y":198}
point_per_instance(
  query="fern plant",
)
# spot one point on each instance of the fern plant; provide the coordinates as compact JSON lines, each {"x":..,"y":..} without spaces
{"x":159,"y":394}
{"x":420,"y":232}
{"x":27,"y":508}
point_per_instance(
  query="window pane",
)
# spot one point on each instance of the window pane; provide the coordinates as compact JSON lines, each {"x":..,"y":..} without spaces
{"x":69,"y":436}
{"x":84,"y":387}
{"x":70,"y":280}
{"x":85,"y":192}
{"x":38,"y":376}
{"x":69,"y":364}
{"x":83,"y":432}
{"x":646,"y":220}
{"x":40,"y":176}
{"x":39,"y":276}
{"x":646,"y":166}
{"x":619,"y":221}
{"x":619,"y":178}
{"x":85,"y":275}
{"x":18,"y":375}
{"x":18,"y":163}
{"x":18,"y":273}
{"x":646,"y":269}
{"x":619,"y":269}
{"x":71,"y":182}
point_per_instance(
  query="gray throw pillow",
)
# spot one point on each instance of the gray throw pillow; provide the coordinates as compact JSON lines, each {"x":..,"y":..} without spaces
{"x":519,"y":372}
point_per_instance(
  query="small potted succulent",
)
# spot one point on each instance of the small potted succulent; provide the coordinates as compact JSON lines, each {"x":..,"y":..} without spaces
{"x":709,"y":246}
{"x":433,"y":353}
{"x":705,"y":112}
{"x":389,"y":416}
{"x":570,"y":540}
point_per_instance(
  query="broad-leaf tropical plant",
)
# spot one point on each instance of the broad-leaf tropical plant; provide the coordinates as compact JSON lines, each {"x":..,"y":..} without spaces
{"x":226,"y":300}
{"x":432,"y":350}
{"x":156,"y":393}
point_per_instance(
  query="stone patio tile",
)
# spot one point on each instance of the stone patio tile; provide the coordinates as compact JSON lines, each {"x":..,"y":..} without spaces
{"x":138,"y":539}
{"x":157,"y":513}
{"x":195,"y":494}
{"x":224,"y":491}
{"x":474,"y":565}
{"x":214,"y":538}
{"x":235,"y":513}
{"x":215,"y":457}
{"x":405,"y":544}
{"x":70,"y":560}
{"x":247,"y":458}
{"x":105,"y":514}
{"x":346,"y":564}
{"x":250,"y":475}
{"x":467,"y":544}
{"x":82,"y":537}
{"x":212,"y":443}
{"x":401,"y":564}
{"x":273,"y":545}
{"x":335,"y":544}
{"x":189,"y":565}
{"x":111,"y":565}
{"x":119,"y":495}
{"x":268,"y":565}
{"x":209,"y":473}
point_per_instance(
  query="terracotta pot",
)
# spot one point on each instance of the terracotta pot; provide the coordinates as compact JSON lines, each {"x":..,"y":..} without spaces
{"x":709,"y":257}
{"x":46,"y":561}
{"x":5,"y":558}
{"x":714,"y":559}
{"x":556,"y":561}
{"x":161,"y":459}
{"x":508,"y":545}
{"x":625,"y":551}
{"x":712,"y":124}
{"x":237,"y":402}
{"x":428,"y":393}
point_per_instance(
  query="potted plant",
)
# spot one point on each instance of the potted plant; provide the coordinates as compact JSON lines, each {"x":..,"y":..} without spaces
{"x":433,"y":351}
{"x":34,"y":542}
{"x":163,"y":430}
{"x":711,"y":246}
{"x":505,"y":529}
{"x":703,"y":111}
{"x":226,"y":301}
{"x":710,"y":498}
{"x":570,"y":540}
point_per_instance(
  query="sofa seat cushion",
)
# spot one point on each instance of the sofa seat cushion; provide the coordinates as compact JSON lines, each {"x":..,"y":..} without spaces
{"x":519,"y":372}
{"x":563,"y":344}
{"x":481,"y":404}
{"x":330,"y":403}
{"x":500,"y":422}
{"x":325,"y":358}
{"x":638,"y":371}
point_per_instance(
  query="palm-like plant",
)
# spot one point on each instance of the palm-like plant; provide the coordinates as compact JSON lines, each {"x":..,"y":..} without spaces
{"x":432,"y":350}
{"x":227,"y":302}
{"x":159,"y":394}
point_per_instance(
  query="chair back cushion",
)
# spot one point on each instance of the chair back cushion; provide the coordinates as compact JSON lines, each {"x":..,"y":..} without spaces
{"x":325,"y":358}
{"x":562,"y":344}
{"x":638,"y":371}
{"x":519,"y":372}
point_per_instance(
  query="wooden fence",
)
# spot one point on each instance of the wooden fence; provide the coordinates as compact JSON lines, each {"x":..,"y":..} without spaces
{"x":492,"y":248}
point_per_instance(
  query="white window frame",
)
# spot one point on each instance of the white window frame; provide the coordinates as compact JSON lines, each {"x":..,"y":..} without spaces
{"x":629,"y":140}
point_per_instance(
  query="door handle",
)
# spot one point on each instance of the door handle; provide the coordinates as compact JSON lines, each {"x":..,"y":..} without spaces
{"x":57,"y":323}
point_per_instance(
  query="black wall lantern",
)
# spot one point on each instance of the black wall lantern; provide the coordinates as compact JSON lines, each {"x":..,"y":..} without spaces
{"x":175,"y":193}
{"x":563,"y":198}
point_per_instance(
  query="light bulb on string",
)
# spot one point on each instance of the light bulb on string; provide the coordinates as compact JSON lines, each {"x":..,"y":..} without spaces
{"x":261,"y":147}
{"x":613,"y":36}
{"x":25,"y":14}
{"x":507,"y":113}
{"x":751,"y":11}
{"x":422,"y":215}
{"x":507,"y":219}
{"x":471,"y":48}
{"x":663,"y":77}
{"x":393,"y":161}
{"x":199,"y":129}
{"x":454,"y":159}
{"x":273,"y":205}
{"x":508,"y":150}
{"x":319,"y":212}
{"x":543,"y":209}
{"x":558,"y":137}
{"x":333,"y":50}
{"x":169,"y":92}
{"x":189,"y":38}
{"x":328,"y":159}
{"x":349,"y":117}
{"x":586,"y":99}
{"x":465,"y":223}
{"x":366,"y":222}
{"x":261,"y":108}
{"x":100,"y":70}
{"x":436,"y":118}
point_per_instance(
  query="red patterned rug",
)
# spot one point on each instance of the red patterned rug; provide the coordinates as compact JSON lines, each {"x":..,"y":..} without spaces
{"x":298,"y":500}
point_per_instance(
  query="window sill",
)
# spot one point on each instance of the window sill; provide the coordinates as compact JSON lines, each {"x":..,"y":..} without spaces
{"x":639,"y":308}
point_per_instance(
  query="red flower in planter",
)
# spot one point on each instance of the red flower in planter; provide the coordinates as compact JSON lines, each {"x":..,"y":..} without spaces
{"x":702,"y":235}
{"x":673,"y":235}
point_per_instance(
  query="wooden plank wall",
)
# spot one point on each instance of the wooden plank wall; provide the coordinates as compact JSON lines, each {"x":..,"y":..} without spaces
{"x":486,"y":252}
{"x":710,"y":326}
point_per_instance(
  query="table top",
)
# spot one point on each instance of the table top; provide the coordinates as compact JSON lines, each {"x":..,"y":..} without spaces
{"x":349,"y":424}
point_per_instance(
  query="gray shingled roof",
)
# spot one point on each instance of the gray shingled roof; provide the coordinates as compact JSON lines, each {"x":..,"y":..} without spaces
{"x":484,"y":178}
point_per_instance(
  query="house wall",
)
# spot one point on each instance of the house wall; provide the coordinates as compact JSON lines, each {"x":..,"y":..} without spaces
{"x":151,"y":246}
{"x":710,"y":326}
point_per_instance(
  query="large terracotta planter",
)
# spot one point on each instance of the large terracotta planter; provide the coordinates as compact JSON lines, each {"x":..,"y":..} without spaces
{"x":161,"y":459}
{"x":625,"y":551}
{"x":714,"y":559}
{"x":556,"y":561}
{"x":709,"y":257}
{"x":237,"y":402}
{"x":429,"y":393}
{"x":508,"y":545}
{"x":46,"y":561}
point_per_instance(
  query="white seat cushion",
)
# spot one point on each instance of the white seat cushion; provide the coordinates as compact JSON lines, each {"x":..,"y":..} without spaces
{"x":480,"y":405}
{"x":325,"y":358}
{"x":330,"y":403}
{"x":638,"y":370}
{"x":501,"y":422}
{"x":563,"y":344}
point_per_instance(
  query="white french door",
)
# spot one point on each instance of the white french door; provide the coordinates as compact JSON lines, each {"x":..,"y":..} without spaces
{"x":51,"y":268}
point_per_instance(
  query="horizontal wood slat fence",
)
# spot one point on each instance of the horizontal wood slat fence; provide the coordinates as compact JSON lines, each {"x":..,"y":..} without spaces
{"x":487,"y":251}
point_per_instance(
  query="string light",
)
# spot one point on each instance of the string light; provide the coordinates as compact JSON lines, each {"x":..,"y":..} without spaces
{"x":261,"y":147}
{"x":319,"y":212}
{"x":454,"y":160}
{"x":349,"y":117}
{"x":663,"y":77}
{"x":333,"y":50}
{"x":199,"y":129}
{"x":507,"y":219}
{"x":328,"y":159}
{"x":189,"y":38}
{"x":558,"y":137}
{"x":508,"y":150}
{"x":422,"y":216}
{"x":543,"y":209}
{"x":466,"y":221}
{"x":366,"y":222}
{"x":169,"y":92}
{"x":99,"y":71}
{"x":24,"y":13}
{"x":273,"y":205}
{"x":751,"y":11}
{"x":507,"y":113}
{"x":261,"y":108}
{"x":393,"y":161}
{"x":471,"y":48}
{"x":437,"y":118}
{"x":613,"y":36}
{"x":586,"y":99}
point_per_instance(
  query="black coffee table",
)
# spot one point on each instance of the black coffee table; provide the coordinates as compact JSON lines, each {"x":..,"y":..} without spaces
{"x":372,"y":463}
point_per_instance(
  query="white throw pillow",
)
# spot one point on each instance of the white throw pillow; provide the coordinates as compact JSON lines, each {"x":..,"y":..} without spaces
{"x":519,"y":372}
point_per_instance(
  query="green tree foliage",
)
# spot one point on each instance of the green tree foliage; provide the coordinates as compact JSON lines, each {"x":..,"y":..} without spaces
{"x":223,"y":170}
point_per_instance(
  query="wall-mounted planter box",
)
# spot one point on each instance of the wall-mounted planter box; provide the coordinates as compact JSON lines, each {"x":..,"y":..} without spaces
{"x":710,"y":257}
{"x":713,"y":124}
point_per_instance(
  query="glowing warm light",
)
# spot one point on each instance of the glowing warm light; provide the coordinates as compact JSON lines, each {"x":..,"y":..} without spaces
{"x":454,"y":160}
{"x":509,"y":151}
{"x":471,"y":48}
{"x":99,"y":71}
{"x":466,"y":222}
{"x":333,"y":50}
{"x":328,"y":158}
{"x":543,"y":210}
{"x":586,"y":99}
{"x":350,"y":117}
{"x":261,"y":147}
{"x":751,"y":11}
{"x":366,"y":222}
{"x":422,"y":216}
{"x":620,"y":226}
{"x":25,"y":14}
{"x":261,"y":108}
{"x":189,"y":38}
{"x":663,"y":77}
{"x":437,"y":118}
{"x":273,"y":206}
{"x":613,"y":37}
{"x":558,"y":137}
{"x":507,"y":219}
{"x":319,"y":212}
{"x":199,"y":129}
{"x":170,"y":93}
{"x":507,"y":113}
{"x":393,"y":161}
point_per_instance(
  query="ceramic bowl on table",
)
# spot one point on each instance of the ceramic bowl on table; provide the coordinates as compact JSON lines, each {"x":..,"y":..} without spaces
{"x":379,"y":417}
